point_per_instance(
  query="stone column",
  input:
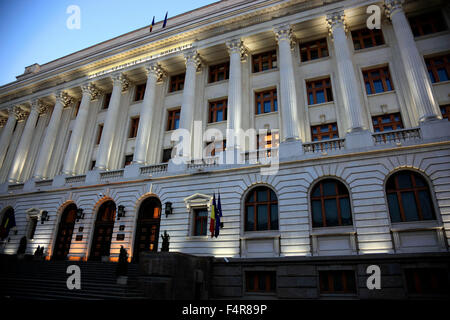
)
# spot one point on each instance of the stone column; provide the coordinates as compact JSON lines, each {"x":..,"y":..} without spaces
{"x":37,"y":107}
{"x":13,"y":115}
{"x":238,"y":54}
{"x":90,"y":93}
{"x":187,"y":106}
{"x":120,"y":85}
{"x":288,"y":93}
{"x":154,"y":74}
{"x":45,"y":152}
{"x":346,"y":72}
{"x":418,"y":79}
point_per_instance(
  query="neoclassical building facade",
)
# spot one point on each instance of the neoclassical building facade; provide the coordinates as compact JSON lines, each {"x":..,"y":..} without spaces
{"x":342,"y":146}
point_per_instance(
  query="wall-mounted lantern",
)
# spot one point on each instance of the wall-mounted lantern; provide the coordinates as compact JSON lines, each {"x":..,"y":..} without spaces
{"x":168,"y":209}
{"x":44,"y":216}
{"x":120,"y":212}
{"x":80,"y":214}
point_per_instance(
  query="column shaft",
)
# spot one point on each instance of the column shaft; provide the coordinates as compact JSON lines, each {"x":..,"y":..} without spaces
{"x":7,"y":133}
{"x":146,"y":117}
{"x":45,"y":153}
{"x":418,"y":79}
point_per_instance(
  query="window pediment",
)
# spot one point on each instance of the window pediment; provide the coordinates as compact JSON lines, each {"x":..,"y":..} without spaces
{"x":198,"y":199}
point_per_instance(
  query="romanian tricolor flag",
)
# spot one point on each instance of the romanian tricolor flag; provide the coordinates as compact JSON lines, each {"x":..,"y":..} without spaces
{"x":153,"y":23}
{"x":212,"y":225}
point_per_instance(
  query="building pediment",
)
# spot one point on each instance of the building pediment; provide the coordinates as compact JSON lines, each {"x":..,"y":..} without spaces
{"x":198,"y":199}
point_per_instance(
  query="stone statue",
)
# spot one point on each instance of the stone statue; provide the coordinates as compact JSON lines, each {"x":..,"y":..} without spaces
{"x":165,"y":244}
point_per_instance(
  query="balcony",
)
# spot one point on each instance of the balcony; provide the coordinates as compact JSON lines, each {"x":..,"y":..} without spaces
{"x":397,"y":136}
{"x":204,"y":163}
{"x":324,"y":146}
{"x":111,"y":175}
{"x":154,"y":169}
{"x":76,"y":179}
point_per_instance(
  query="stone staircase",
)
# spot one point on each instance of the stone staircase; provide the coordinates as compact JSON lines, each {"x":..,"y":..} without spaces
{"x":46,"y":280}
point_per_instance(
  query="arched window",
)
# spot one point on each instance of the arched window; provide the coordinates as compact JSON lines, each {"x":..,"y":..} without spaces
{"x":409,"y":197}
{"x":330,"y":203}
{"x":261,"y":210}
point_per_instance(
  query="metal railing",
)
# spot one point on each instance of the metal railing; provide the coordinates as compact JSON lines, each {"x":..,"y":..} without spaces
{"x":44,"y":183}
{"x":397,"y":136}
{"x":113,"y":174}
{"x":154,"y":168}
{"x":324,"y":146}
{"x":76,"y":179}
{"x":203,"y":163}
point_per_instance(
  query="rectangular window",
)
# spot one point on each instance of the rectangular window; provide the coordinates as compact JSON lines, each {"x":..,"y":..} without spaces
{"x":213,"y":148}
{"x":200,"y":221}
{"x":266,"y":101}
{"x":93,"y":162}
{"x":319,"y":91}
{"x":324,"y":132}
{"x":167,"y":155}
{"x":427,"y":281}
{"x":99,"y":133}
{"x":268,"y":141}
{"x":264,"y":61}
{"x":77,"y":108}
{"x":218,"y":110}
{"x":438,"y":68}
{"x":106,"y":100}
{"x":140,"y":92}
{"x":128,"y":159}
{"x":337,"y":281}
{"x":377,"y":80}
{"x":366,"y":38}
{"x":314,"y":50}
{"x":445,"y":110}
{"x":260,"y":281}
{"x":134,"y":127}
{"x":176,"y":82}
{"x":173,"y":120}
{"x":219,"y":72}
{"x":387,"y":122}
{"x":427,"y":23}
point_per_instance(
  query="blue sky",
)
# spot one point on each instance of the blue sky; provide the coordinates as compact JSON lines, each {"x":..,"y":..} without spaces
{"x":35,"y":31}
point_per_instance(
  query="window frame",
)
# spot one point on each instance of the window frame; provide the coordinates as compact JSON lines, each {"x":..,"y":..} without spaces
{"x":176,"y":82}
{"x":134,"y":126}
{"x":433,"y":69}
{"x":99,"y":133}
{"x":255,"y":204}
{"x":214,"y":71}
{"x":415,"y":189}
{"x":324,"y":87}
{"x":330,"y":273}
{"x":446,"y":114}
{"x":322,"y":199}
{"x":259,"y":97}
{"x":384,"y":76}
{"x":139,"y":92}
{"x":381,"y":126}
{"x":270,"y":281}
{"x":357,"y":36}
{"x":213,"y":109}
{"x":172,"y":117}
{"x":106,"y":100}
{"x":320,"y":135}
{"x":195,"y":210}
{"x":306,"y":47}
{"x":417,"y":23}
{"x":129,"y":162}
{"x":258,"y":59}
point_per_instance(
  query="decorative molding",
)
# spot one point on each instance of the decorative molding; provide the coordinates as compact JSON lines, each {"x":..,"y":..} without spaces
{"x":122,"y":80}
{"x":92,"y":90}
{"x":39,"y":106}
{"x":156,"y":70}
{"x":192,"y":57}
{"x":237,"y":46}
{"x":284,"y":33}
{"x":17,"y":112}
{"x":63,"y":98}
{"x":336,"y":20}
{"x":391,"y":7}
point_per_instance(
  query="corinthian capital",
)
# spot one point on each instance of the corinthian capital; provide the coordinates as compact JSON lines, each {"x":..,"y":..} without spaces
{"x":38,"y":106}
{"x":63,"y":98}
{"x":193,"y":58}
{"x":17,"y":112}
{"x":336,"y":20}
{"x":391,"y":7}
{"x":237,"y":46}
{"x":92,"y":90}
{"x":155,"y":69}
{"x":284,"y":33}
{"x":121,"y":79}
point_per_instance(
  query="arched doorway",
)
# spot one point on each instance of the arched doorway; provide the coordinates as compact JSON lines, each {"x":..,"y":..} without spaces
{"x":103,"y":230}
{"x":65,"y":232}
{"x":147,"y":227}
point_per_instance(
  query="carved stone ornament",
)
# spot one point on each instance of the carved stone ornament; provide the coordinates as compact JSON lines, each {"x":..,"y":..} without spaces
{"x":336,"y":20}
{"x":392,"y":6}
{"x":17,"y":112}
{"x":63,"y":98}
{"x":121,"y":79}
{"x":237,"y":46}
{"x":92,"y":90}
{"x":39,"y":106}
{"x":284,"y":33}
{"x":192,"y":57}
{"x":156,"y":70}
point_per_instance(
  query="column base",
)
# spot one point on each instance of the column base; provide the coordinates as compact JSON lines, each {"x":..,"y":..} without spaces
{"x":435,"y":129}
{"x":132,"y":170}
{"x":290,"y":149}
{"x":93,"y":176}
{"x":358,"y":139}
